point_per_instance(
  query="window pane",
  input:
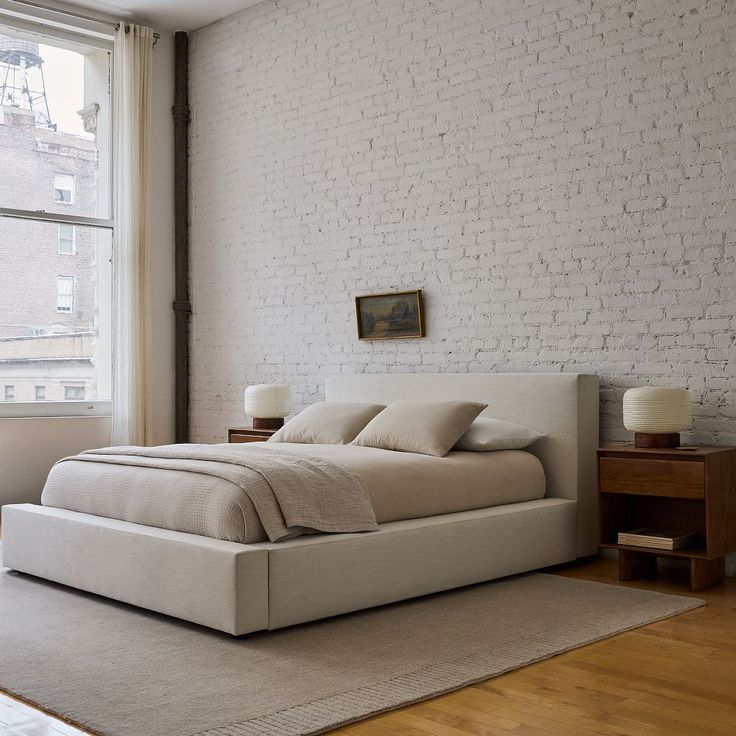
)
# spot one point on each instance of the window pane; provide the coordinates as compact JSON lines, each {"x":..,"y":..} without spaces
{"x":64,"y":293}
{"x":54,"y":311}
{"x":9,"y":393}
{"x":64,"y":188}
{"x":54,"y":125}
{"x":40,"y":393}
{"x":74,"y":393}
{"x":66,"y":239}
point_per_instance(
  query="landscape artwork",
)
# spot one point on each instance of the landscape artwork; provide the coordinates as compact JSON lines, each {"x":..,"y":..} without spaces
{"x":388,"y":316}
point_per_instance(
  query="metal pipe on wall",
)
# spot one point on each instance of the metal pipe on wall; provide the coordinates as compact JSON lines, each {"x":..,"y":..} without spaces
{"x":182,"y":306}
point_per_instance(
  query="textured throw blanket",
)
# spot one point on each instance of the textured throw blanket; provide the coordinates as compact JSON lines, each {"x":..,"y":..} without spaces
{"x":292,"y":494}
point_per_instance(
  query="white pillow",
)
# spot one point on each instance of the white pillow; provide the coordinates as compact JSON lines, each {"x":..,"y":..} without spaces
{"x":486,"y":434}
{"x":425,"y":427}
{"x":327,"y":423}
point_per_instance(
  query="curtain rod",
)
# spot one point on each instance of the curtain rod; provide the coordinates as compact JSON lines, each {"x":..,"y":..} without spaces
{"x":73,"y":14}
{"x":156,"y":36}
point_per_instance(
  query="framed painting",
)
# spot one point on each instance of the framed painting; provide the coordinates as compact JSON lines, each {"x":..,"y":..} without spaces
{"x":390,"y":316}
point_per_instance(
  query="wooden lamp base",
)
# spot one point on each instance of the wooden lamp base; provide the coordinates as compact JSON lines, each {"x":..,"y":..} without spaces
{"x":268,"y":422}
{"x":651,"y":440}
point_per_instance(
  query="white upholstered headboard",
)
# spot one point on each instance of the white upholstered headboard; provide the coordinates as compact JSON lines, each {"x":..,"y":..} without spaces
{"x":562,"y":405}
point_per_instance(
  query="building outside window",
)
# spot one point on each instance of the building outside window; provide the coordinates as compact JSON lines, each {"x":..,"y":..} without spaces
{"x":66,"y":239}
{"x":64,"y":188}
{"x":73,"y":393}
{"x":55,"y":138}
{"x":64,"y":293}
{"x":9,"y":393}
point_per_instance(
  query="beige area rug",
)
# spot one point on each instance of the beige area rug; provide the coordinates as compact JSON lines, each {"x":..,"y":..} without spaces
{"x":122,"y":671}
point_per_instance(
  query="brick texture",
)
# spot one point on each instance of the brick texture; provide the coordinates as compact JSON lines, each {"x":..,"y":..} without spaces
{"x":30,"y":261}
{"x":559,"y":177}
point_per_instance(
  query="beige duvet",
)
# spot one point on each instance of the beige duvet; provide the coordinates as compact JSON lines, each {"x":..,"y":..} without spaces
{"x":400,"y":486}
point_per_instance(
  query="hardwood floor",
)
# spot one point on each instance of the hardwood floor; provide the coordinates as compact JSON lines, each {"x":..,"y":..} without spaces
{"x":674,"y":677}
{"x":19,"y":719}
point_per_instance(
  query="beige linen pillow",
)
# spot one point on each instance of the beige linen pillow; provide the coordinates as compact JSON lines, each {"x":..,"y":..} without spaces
{"x":487,"y":434}
{"x":327,"y":423}
{"x":425,"y":427}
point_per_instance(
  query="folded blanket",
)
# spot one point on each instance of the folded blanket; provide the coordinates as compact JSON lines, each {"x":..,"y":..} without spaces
{"x":292,"y":494}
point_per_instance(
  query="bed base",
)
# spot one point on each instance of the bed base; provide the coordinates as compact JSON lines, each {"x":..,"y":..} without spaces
{"x":239,"y":588}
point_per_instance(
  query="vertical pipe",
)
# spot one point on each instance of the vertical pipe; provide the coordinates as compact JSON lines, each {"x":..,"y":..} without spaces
{"x":182,"y":306}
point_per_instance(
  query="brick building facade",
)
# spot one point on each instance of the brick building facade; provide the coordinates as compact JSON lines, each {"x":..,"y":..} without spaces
{"x":47,"y":270}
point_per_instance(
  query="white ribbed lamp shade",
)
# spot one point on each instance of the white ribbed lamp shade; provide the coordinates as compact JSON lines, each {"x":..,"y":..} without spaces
{"x":267,"y":401}
{"x":657,"y":409}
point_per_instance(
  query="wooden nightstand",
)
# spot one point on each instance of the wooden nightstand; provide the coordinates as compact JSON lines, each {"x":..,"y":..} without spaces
{"x":248,"y":434}
{"x":681,"y":490}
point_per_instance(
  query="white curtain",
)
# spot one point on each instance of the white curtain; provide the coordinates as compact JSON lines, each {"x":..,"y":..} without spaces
{"x":132,"y":61}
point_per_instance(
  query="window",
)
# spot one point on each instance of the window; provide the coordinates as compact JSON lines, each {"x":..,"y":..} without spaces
{"x":9,"y":393}
{"x":55,"y":199}
{"x":64,"y":293}
{"x":64,"y":188}
{"x":73,"y":393}
{"x":66,"y":239}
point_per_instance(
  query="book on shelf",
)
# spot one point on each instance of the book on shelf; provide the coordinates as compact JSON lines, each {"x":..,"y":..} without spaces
{"x":657,"y":538}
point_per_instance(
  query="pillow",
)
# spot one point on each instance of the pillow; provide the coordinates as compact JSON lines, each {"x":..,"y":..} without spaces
{"x":426,"y":427}
{"x":487,"y":434}
{"x":327,"y":423}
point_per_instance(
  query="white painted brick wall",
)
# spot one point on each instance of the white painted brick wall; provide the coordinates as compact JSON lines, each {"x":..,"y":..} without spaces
{"x":559,"y":177}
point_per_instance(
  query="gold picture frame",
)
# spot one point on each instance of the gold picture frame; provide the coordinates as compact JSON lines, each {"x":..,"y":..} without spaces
{"x":394,"y":315}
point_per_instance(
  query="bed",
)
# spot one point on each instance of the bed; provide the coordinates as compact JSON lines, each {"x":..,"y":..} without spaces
{"x":539,"y":512}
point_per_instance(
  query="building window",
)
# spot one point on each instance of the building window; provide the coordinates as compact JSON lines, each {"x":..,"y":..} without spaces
{"x":9,"y":393}
{"x":57,"y":200}
{"x":73,"y":393}
{"x":67,"y":239}
{"x":64,"y":188}
{"x":64,"y":293}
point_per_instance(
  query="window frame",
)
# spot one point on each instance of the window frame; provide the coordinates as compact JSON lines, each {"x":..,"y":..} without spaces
{"x":55,"y":26}
{"x":33,"y":409}
{"x":55,"y":31}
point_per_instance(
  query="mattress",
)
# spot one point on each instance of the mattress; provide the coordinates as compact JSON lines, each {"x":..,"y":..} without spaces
{"x":400,"y":486}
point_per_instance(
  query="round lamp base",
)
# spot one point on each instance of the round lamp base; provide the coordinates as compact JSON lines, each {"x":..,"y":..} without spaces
{"x":651,"y":440}
{"x":268,"y":422}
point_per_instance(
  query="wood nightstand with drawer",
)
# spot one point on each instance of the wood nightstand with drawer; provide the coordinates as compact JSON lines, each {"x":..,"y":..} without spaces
{"x":248,"y":434}
{"x":676,"y":489}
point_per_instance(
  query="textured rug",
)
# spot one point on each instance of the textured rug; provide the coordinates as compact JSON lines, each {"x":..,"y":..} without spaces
{"x":121,"y":671}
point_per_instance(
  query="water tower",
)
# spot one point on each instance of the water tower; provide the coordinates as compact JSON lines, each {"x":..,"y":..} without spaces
{"x":21,"y":79}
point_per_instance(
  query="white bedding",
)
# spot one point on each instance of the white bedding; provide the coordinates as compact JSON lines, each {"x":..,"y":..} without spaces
{"x":400,"y":486}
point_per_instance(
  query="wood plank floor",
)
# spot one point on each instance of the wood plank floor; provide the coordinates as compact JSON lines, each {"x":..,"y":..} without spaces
{"x":674,"y":677}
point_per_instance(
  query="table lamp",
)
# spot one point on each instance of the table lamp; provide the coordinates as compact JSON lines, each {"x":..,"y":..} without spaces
{"x":268,"y":405}
{"x":657,"y":415}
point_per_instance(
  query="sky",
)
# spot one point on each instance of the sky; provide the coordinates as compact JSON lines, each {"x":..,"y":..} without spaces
{"x":63,"y":70}
{"x":64,"y":74}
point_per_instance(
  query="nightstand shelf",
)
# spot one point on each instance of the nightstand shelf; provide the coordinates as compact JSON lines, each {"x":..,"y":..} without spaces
{"x":684,"y":554}
{"x":679,"y":489}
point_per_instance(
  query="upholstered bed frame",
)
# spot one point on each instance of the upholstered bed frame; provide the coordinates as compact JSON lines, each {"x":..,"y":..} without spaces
{"x":239,"y":588}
